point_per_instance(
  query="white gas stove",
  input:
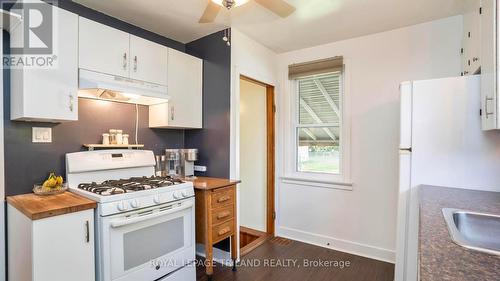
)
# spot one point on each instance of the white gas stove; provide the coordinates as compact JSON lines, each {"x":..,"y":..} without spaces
{"x":144,"y":223}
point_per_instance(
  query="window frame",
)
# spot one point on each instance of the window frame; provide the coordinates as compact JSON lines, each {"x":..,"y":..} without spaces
{"x":292,"y":175}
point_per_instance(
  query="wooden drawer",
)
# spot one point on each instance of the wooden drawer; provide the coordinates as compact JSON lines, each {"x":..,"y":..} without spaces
{"x":222,"y":215}
{"x":222,"y":231}
{"x":223,"y":197}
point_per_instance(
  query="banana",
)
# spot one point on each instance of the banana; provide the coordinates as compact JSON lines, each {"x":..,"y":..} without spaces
{"x":53,"y":181}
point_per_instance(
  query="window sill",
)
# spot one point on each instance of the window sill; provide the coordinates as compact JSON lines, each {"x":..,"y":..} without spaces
{"x":318,"y":183}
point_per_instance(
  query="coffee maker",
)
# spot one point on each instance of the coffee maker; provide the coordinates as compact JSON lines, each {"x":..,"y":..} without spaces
{"x":188,"y":157}
{"x":173,"y":162}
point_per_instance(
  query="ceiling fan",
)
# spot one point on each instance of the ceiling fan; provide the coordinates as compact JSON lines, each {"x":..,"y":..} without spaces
{"x":279,"y":7}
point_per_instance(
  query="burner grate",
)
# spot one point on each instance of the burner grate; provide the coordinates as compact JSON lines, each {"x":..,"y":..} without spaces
{"x":112,"y":187}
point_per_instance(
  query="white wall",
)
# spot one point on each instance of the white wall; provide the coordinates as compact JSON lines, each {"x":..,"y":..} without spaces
{"x":253,"y":155}
{"x":251,"y":59}
{"x":363,"y":220}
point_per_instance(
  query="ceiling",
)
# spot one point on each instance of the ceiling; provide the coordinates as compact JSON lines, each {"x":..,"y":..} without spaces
{"x":314,"y":22}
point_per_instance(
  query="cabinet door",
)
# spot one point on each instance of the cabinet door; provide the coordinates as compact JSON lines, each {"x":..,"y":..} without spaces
{"x":148,"y":61}
{"x":185,"y":75}
{"x":49,"y":94}
{"x":475,"y":37}
{"x":103,"y":49}
{"x":489,"y":40}
{"x":471,"y":38}
{"x":63,"y":247}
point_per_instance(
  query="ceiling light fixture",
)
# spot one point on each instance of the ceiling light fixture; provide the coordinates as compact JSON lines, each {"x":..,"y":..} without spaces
{"x":228,"y":4}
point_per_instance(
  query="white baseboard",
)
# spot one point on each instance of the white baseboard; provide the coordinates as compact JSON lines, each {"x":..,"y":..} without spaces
{"x":337,"y":244}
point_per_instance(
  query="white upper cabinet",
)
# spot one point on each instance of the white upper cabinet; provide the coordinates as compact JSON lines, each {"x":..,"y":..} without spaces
{"x":108,"y":50}
{"x":471,"y":49}
{"x":103,"y":48}
{"x":148,"y":61}
{"x":490,"y":103}
{"x":48,"y":94}
{"x":185,"y":89}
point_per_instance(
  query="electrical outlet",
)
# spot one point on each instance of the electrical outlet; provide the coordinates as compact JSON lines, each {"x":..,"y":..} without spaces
{"x":200,"y":168}
{"x":41,"y":135}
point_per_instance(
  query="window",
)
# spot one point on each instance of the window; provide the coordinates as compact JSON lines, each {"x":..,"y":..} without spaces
{"x":318,"y":126}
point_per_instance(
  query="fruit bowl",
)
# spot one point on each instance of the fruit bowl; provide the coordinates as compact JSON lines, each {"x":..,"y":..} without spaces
{"x":39,"y":189}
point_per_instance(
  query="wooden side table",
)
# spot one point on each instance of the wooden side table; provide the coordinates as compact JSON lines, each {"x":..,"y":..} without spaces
{"x":215,"y":216}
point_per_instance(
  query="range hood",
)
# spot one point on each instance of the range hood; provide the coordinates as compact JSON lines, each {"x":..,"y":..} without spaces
{"x":96,"y":85}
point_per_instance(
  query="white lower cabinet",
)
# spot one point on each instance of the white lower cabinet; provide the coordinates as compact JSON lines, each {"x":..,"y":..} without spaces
{"x":48,"y":93}
{"x":185,"y":89}
{"x":58,"y":248}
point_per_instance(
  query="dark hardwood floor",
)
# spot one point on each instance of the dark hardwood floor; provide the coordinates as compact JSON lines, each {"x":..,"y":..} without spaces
{"x":286,"y":252}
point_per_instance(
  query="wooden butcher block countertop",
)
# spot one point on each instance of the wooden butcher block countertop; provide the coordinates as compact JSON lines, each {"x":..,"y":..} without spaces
{"x":38,"y":207}
{"x":206,"y":183}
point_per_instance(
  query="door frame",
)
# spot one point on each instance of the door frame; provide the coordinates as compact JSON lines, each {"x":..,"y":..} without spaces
{"x":270,"y":154}
{"x":234,"y":149}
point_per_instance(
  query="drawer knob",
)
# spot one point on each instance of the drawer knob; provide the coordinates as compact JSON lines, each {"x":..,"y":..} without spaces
{"x":223,"y":199}
{"x":224,"y":231}
{"x":223,"y":215}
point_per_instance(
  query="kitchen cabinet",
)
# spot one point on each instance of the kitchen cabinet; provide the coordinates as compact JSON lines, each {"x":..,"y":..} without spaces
{"x":215,"y":216}
{"x":50,"y":238}
{"x":48,"y":93}
{"x":108,"y":50}
{"x":471,"y":38}
{"x":148,"y":61}
{"x":185,"y":89}
{"x":490,"y":103}
{"x":103,"y":48}
{"x":471,"y":42}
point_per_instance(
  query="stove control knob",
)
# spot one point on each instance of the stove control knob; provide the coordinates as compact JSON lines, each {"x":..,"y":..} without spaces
{"x":156,"y":199}
{"x":185,"y":194}
{"x":121,"y":206}
{"x":134,"y":204}
{"x":177,"y":195}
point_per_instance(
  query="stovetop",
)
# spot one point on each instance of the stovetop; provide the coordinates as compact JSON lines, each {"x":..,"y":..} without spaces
{"x":114,"y":187}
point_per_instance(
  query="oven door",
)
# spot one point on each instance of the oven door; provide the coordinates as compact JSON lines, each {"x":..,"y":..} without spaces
{"x":149,"y":243}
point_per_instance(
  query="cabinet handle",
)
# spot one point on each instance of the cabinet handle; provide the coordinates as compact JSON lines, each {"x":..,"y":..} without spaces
{"x":224,"y":231}
{"x":223,"y":215}
{"x":135,"y":63}
{"x":71,"y":102}
{"x":172,"y":113}
{"x":223,"y":199}
{"x":124,"y":60}
{"x":87,"y":232}
{"x":486,"y":100}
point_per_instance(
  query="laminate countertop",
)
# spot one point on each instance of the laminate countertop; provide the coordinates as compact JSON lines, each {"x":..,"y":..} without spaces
{"x":206,"y":183}
{"x":440,"y":257}
{"x":38,"y":207}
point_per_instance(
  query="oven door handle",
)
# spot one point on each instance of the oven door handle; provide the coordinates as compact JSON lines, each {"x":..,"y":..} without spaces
{"x":119,"y":223}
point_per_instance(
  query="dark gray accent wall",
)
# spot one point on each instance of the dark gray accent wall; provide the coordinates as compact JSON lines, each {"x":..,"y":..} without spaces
{"x":213,"y":141}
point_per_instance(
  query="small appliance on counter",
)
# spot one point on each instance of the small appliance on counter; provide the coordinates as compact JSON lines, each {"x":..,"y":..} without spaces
{"x":180,"y":162}
{"x":172,"y":162}
{"x":188,"y":156}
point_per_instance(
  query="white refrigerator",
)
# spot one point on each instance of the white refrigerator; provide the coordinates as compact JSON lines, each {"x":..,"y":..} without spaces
{"x":441,"y":143}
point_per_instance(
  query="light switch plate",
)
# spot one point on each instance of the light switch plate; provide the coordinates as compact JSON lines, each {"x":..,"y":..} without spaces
{"x":41,"y":135}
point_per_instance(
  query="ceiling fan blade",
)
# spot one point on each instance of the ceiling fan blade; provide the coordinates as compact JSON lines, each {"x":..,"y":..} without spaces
{"x":210,"y":13}
{"x":279,"y":7}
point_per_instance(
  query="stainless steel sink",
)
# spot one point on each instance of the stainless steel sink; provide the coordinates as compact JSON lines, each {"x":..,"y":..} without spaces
{"x":475,"y":231}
